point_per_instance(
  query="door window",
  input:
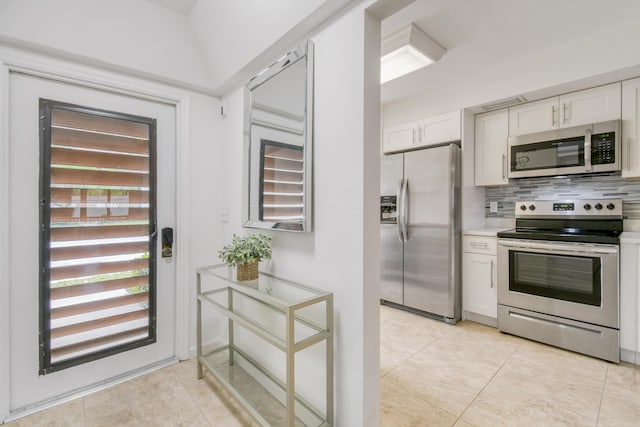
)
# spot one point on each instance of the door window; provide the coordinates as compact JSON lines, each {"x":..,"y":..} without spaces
{"x":97,"y":234}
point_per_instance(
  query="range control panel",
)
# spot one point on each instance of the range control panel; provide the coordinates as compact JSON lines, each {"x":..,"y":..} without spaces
{"x":571,"y":208}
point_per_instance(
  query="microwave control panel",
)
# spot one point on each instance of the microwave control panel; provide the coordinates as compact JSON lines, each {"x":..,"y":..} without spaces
{"x":603,"y":148}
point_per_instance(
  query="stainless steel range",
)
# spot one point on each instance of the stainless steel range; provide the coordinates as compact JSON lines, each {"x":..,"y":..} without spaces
{"x":558,"y":275}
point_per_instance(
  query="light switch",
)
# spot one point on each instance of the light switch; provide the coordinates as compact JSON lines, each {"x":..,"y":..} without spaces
{"x":224,"y":215}
{"x":493,"y":207}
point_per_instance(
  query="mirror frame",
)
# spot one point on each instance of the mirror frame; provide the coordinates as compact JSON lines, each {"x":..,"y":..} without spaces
{"x":301,"y":53}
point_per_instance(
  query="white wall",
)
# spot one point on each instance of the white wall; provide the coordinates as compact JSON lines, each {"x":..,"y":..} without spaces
{"x":204,"y":159}
{"x":238,"y":31}
{"x":341,"y":255}
{"x":131,"y":35}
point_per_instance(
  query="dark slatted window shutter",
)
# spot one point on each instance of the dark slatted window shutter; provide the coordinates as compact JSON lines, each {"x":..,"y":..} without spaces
{"x":97,"y":286}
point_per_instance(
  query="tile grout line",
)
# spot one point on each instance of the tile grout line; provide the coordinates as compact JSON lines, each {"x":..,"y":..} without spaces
{"x":84,"y":412}
{"x":173,"y":368}
{"x":575,"y":412}
{"x":487,"y":383}
{"x":604,"y":386}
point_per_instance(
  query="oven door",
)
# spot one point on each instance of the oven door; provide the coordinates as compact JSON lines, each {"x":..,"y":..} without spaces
{"x":576,"y":281}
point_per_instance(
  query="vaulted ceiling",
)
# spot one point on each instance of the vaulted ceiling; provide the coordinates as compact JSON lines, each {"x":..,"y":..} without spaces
{"x":215,"y":45}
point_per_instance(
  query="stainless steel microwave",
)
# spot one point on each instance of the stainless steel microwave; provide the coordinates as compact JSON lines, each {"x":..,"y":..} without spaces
{"x":583,"y":149}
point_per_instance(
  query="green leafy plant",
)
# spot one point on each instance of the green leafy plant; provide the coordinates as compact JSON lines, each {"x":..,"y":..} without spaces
{"x":245,"y":249}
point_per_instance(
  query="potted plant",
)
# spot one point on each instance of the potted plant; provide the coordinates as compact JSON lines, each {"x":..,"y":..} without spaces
{"x":244,"y":252}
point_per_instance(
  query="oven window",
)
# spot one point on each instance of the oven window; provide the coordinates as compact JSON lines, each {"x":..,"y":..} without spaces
{"x":548,"y":155}
{"x":564,"y":277}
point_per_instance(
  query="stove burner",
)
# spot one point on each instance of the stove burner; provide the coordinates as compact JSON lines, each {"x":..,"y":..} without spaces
{"x":568,"y":221}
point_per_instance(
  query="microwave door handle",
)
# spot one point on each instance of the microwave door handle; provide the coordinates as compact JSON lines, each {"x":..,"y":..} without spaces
{"x":587,"y":150}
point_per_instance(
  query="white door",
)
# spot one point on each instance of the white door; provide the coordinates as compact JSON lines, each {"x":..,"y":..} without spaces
{"x":27,"y":386}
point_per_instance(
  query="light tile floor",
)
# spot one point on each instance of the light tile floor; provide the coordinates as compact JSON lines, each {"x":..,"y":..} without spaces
{"x":432,"y":374}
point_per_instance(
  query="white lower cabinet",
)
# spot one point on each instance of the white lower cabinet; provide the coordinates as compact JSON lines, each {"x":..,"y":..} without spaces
{"x":479,"y":279}
{"x":630,"y":298}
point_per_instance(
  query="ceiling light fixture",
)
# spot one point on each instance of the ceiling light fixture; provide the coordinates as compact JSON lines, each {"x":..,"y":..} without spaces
{"x":407,"y":50}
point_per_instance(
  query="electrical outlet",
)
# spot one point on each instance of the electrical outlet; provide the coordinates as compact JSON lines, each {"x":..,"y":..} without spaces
{"x":493,"y":207}
{"x":224,"y":215}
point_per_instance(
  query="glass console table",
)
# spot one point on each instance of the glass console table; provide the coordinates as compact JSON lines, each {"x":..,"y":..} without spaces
{"x":287,"y":315}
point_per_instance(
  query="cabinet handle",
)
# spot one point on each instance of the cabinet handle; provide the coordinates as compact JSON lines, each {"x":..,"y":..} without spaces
{"x":504,"y":167}
{"x":628,"y":154}
{"x":566,"y":111}
{"x":414,"y":136}
{"x":479,"y":245}
{"x":553,"y":116}
{"x":492,"y":283}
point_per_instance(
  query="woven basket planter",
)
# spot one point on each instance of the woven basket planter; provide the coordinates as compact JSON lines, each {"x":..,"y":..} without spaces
{"x":247,"y":271}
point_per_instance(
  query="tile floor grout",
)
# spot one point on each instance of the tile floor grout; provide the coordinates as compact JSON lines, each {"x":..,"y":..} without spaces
{"x":556,"y":390}
{"x":489,"y":381}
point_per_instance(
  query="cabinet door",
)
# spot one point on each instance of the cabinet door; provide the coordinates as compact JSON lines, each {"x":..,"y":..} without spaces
{"x":533,"y":117}
{"x":399,"y":138}
{"x":479,"y":290}
{"x":629,"y":299}
{"x":439,"y":129}
{"x":492,"y":133}
{"x":599,"y":104}
{"x":630,"y":128}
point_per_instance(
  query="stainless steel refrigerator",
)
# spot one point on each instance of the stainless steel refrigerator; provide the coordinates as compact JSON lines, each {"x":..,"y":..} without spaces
{"x":420,"y":231}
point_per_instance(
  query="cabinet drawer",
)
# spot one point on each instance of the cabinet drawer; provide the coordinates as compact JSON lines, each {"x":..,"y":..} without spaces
{"x":480,"y":245}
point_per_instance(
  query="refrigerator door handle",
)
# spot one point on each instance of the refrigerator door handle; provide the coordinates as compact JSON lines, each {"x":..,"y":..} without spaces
{"x":405,"y":209}
{"x":399,"y":210}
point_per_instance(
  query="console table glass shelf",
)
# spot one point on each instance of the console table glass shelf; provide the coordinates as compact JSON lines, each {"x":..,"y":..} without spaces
{"x":289,"y":316}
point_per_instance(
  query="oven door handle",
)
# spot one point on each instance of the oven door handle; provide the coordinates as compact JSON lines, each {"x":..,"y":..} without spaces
{"x":559,"y":248}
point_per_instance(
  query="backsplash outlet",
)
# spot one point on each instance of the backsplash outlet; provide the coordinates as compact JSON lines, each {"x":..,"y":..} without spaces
{"x":575,"y":187}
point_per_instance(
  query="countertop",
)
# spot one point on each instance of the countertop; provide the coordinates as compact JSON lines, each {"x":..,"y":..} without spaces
{"x":630,"y":237}
{"x":493,"y":231}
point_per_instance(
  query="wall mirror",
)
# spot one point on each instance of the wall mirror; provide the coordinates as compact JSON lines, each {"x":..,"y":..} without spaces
{"x":278,"y":134}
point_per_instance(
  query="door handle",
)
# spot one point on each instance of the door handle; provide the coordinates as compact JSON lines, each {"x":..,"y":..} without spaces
{"x":587,"y":150}
{"x":399,"y":210}
{"x":405,"y":209}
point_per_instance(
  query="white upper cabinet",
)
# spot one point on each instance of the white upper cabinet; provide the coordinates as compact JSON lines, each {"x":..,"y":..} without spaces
{"x":439,"y":129}
{"x":400,"y":138}
{"x":599,"y":104}
{"x":491,"y":135}
{"x":630,"y":128}
{"x":594,"y":105}
{"x":533,"y":117}
{"x":422,"y":133}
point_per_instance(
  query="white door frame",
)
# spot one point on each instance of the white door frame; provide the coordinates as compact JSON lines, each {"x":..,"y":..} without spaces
{"x":12,"y":60}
